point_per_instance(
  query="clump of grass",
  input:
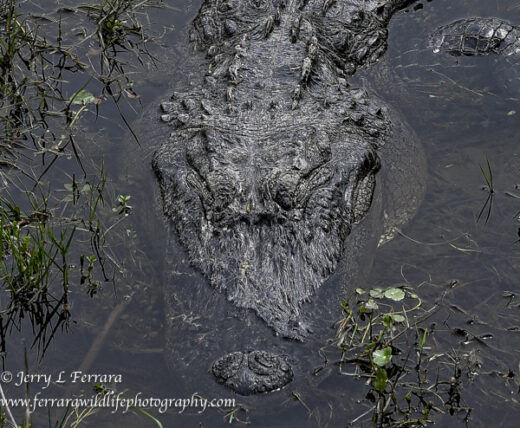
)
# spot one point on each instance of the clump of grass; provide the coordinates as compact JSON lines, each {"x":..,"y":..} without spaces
{"x":41,"y":243}
{"x":31,"y":84}
{"x":118,"y":32}
{"x":54,"y":238}
{"x":31,"y":254}
{"x":36,"y":73}
{"x":36,"y":258}
{"x":118,"y":29}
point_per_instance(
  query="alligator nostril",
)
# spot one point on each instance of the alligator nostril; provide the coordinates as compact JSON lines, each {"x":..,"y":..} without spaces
{"x":253,"y":372}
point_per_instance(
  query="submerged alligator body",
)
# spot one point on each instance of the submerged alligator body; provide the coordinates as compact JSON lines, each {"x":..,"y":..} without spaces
{"x":278,"y":175}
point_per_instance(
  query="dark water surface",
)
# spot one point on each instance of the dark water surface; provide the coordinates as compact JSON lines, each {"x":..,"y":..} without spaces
{"x":462,"y":109}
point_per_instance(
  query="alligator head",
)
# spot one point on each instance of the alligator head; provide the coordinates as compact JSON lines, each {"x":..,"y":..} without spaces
{"x":274,"y":157}
{"x":264,"y":206}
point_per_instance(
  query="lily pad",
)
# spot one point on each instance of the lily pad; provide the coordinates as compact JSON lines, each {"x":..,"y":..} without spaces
{"x":395,"y":294}
{"x":376,"y":293}
{"x":397,"y":317}
{"x":371,"y":305}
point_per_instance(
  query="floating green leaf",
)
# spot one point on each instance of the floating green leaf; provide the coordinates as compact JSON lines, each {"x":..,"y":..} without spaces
{"x":82,"y":97}
{"x":397,"y":317}
{"x":359,"y":291}
{"x":371,"y":305}
{"x":376,"y":293}
{"x":85,"y":188}
{"x":382,"y":356}
{"x":386,"y":320}
{"x":394,"y":294}
{"x":389,"y":318}
{"x":380,"y":383}
{"x":422,"y":340}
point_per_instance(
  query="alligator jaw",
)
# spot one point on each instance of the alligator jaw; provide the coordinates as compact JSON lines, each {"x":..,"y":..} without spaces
{"x":274,"y":268}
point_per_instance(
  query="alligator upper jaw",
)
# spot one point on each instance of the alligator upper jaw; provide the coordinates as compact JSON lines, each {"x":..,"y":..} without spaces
{"x":274,"y":268}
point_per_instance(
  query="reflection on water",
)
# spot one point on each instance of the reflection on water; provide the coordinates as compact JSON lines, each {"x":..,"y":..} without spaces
{"x":460,"y":111}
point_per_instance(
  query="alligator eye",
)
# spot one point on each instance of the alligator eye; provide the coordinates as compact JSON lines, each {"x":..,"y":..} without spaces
{"x":283,"y":187}
{"x":370,"y":163}
{"x":223,"y":187}
{"x":365,"y":184}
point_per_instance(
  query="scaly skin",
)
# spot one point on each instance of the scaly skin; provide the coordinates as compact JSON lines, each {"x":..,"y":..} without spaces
{"x":477,"y":36}
{"x":274,"y":157}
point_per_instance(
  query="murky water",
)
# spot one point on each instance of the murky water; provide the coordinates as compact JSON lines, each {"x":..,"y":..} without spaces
{"x":464,"y":110}
{"x":460,"y":110}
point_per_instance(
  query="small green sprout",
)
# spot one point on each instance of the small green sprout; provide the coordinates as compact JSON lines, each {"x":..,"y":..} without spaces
{"x":123,"y":207}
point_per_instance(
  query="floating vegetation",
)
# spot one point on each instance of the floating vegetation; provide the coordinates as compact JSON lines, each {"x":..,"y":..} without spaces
{"x":61,"y":219}
{"x":30,"y":254}
{"x":36,"y":256}
{"x":30,"y":84}
{"x":383,"y":338}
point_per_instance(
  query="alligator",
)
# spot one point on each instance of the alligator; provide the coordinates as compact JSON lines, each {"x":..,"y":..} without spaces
{"x":278,"y":181}
{"x":476,"y":37}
